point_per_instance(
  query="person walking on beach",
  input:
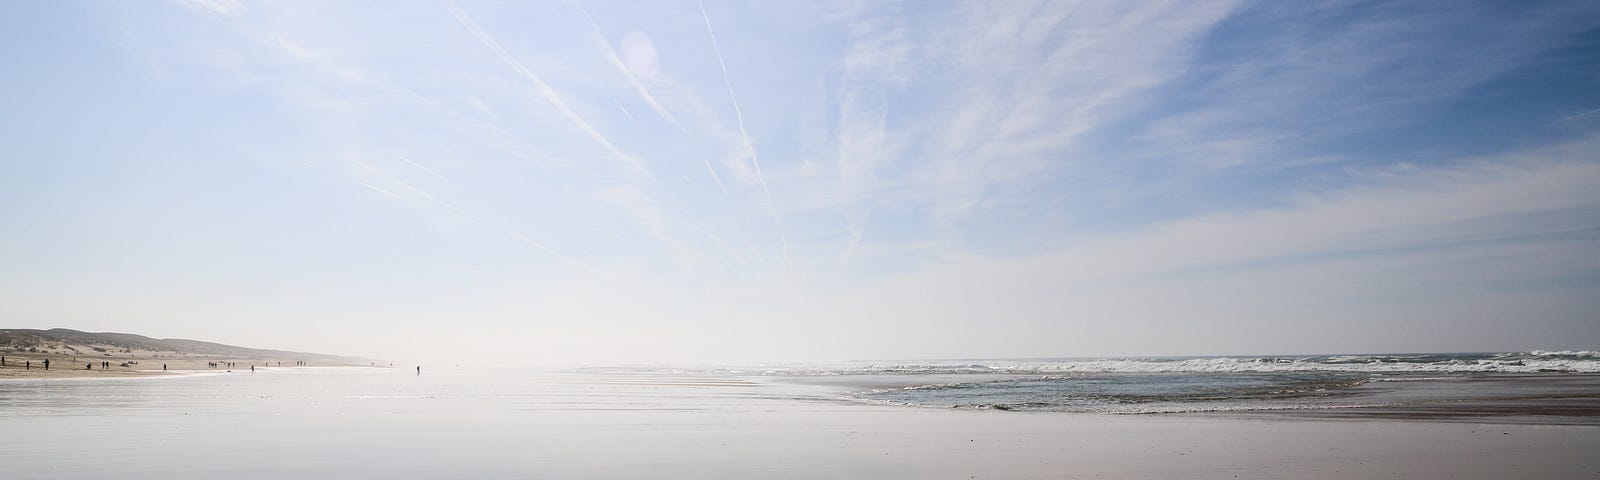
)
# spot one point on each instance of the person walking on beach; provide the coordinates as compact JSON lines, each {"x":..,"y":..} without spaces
{"x":27,"y":365}
{"x":252,"y":369}
{"x":163,"y":367}
{"x":419,"y":369}
{"x":46,"y":364}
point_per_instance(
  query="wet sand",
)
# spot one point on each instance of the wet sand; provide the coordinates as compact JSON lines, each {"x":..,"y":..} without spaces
{"x":1564,"y":399}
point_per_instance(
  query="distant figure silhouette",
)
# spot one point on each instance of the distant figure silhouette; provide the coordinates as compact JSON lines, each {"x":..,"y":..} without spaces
{"x":28,"y":365}
{"x":419,"y":369}
{"x":46,"y":364}
{"x":163,"y":367}
{"x":252,"y":369}
{"x":88,"y":366}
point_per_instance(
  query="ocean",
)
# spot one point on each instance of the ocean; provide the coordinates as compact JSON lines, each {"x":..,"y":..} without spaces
{"x":1198,"y":384}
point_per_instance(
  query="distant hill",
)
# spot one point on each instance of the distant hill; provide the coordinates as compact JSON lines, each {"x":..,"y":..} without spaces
{"x":22,"y":339}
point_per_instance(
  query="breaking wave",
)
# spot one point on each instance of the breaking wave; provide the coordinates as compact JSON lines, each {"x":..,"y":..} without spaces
{"x":1524,"y":362}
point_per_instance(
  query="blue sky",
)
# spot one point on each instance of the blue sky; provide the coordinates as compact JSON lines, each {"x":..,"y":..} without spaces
{"x":770,"y":181}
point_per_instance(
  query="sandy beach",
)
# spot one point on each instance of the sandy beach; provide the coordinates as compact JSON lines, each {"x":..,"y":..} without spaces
{"x":460,"y":422}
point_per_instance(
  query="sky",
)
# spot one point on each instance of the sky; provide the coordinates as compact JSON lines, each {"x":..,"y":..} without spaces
{"x":682,"y":181}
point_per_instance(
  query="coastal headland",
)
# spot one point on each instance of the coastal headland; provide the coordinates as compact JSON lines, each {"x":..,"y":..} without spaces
{"x":73,"y":353}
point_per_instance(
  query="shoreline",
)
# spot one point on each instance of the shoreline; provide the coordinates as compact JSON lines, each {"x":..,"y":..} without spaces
{"x":1507,"y":399}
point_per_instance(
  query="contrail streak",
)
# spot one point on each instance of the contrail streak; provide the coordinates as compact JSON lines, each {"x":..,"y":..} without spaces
{"x":630,"y":162}
{"x":643,"y":92}
{"x":1578,"y":116}
{"x":611,"y":54}
{"x":714,"y":175}
{"x":425,"y":169}
{"x":739,"y":115}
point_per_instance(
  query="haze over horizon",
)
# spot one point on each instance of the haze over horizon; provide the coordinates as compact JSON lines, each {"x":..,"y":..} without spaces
{"x":592,"y":182}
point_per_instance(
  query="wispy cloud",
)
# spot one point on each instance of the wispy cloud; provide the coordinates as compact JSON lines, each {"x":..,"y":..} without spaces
{"x":1578,"y":116}
{"x":1039,"y":78}
{"x":1098,"y":174}
{"x":643,"y":91}
{"x":875,"y":67}
{"x":629,"y":162}
{"x":639,"y":206}
{"x":863,"y":147}
{"x":229,"y":8}
{"x":535,"y":244}
{"x":408,"y":194}
{"x":611,"y":55}
{"x":1406,"y":251}
{"x":649,"y":216}
{"x":1247,"y":104}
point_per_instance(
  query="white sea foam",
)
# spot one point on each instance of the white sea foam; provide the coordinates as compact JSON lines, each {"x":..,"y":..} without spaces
{"x":1529,"y":362}
{"x":1538,"y":361}
{"x":1565,"y":353}
{"x":1252,"y":365}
